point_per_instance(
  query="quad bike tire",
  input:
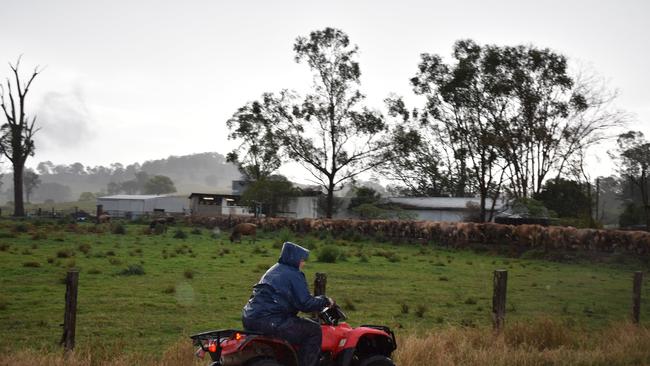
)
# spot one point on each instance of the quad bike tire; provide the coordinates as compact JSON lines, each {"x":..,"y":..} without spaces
{"x":377,"y":360}
{"x":264,"y":362}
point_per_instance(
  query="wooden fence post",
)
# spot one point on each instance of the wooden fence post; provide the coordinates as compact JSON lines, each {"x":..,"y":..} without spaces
{"x":320,"y":284}
{"x":636,"y":296}
{"x":99,"y":212}
{"x":499,"y":298}
{"x":70,"y":316}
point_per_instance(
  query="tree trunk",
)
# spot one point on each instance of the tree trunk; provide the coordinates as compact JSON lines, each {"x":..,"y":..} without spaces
{"x":644,"y":198}
{"x":329,"y":208}
{"x":19,"y":208}
{"x":483,"y":210}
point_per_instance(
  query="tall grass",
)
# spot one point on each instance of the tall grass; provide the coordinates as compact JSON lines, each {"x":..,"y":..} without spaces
{"x":540,"y":342}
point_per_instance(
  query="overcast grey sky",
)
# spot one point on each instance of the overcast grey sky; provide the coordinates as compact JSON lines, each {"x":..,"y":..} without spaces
{"x":135,"y":80}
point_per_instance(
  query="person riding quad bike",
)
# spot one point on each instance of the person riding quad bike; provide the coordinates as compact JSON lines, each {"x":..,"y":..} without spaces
{"x":278,"y":297}
{"x":274,"y":335}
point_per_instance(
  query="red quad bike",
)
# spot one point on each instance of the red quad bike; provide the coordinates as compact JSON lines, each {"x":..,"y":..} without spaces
{"x":367,"y":345}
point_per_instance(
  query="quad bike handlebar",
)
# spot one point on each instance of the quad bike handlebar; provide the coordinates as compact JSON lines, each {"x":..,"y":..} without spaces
{"x":332,"y":315}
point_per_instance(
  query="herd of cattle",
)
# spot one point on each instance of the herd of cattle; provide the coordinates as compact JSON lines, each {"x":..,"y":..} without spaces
{"x":460,"y":234}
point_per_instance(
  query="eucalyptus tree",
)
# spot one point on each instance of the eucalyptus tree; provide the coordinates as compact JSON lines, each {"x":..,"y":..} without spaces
{"x":463,"y":105}
{"x":509,"y":116}
{"x":421,"y":159}
{"x":633,"y":156}
{"x":258,"y":154}
{"x":328,"y":131}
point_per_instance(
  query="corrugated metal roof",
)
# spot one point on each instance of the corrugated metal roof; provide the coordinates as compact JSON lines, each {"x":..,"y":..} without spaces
{"x":441,"y":203}
{"x":135,"y":197}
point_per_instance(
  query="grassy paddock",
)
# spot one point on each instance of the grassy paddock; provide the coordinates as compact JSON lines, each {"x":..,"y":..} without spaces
{"x":139,"y":293}
{"x":540,"y":342}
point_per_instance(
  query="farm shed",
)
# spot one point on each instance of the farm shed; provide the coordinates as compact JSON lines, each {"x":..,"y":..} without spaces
{"x":303,"y":207}
{"x":216,"y":204}
{"x":125,"y":205}
{"x":450,"y":209}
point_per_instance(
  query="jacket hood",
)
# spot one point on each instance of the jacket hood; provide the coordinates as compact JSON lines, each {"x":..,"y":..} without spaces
{"x":292,"y":254}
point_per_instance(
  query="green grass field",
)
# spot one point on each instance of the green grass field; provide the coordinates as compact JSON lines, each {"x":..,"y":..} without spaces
{"x":201,"y":282}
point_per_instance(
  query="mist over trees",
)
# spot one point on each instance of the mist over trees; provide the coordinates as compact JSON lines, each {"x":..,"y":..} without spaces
{"x":204,"y":172}
{"x":633,"y":156}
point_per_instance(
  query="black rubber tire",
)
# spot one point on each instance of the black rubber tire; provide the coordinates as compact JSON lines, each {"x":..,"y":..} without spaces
{"x":263,"y":362}
{"x":377,"y":360}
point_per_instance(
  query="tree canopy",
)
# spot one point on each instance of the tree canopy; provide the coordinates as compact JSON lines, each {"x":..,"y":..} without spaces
{"x":497,"y":120}
{"x":328,"y":131}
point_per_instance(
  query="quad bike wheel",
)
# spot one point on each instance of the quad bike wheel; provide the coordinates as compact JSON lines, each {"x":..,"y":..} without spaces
{"x":263,"y":362}
{"x":377,"y":360}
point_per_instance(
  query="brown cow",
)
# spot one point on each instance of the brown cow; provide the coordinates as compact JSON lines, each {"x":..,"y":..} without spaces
{"x":244,"y":229}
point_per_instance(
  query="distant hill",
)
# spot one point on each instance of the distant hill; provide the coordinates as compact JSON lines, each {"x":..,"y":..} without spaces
{"x":205,"y":172}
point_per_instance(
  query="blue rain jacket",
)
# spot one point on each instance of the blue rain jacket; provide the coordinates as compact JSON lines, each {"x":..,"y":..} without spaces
{"x":282,"y":291}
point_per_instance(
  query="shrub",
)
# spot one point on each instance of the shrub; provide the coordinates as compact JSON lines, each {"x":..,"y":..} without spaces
{"x":189,"y":274}
{"x":5,"y":235}
{"x":39,"y":235}
{"x":404,"y":308}
{"x":196,"y":231}
{"x":94,"y":271}
{"x":169,"y":289}
{"x":285,"y":235}
{"x":343,"y":257}
{"x":420,"y":310}
{"x":31,"y":264}
{"x":4,"y":247}
{"x":180,"y":234}
{"x":363,"y":258}
{"x":133,"y":270}
{"x":110,"y":253}
{"x":21,"y":228}
{"x":328,"y":254}
{"x":470,"y":301}
{"x":115,"y":261}
{"x":159,"y":229}
{"x":65,"y":253}
{"x":118,"y":228}
{"x":84,"y":248}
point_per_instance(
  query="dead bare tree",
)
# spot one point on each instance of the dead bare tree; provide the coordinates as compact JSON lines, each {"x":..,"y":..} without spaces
{"x":16,"y":140}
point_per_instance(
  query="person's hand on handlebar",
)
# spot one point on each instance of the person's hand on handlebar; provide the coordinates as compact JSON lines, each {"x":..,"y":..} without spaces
{"x":331,"y":302}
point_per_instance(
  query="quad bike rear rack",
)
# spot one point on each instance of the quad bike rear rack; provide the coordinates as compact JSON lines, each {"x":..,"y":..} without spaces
{"x":217,"y":336}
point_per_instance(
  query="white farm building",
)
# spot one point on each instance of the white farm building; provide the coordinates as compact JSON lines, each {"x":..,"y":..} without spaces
{"x":452,"y":209}
{"x":126,"y":205}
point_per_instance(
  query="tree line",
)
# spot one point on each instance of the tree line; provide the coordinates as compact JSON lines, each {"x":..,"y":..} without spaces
{"x":496,"y":122}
